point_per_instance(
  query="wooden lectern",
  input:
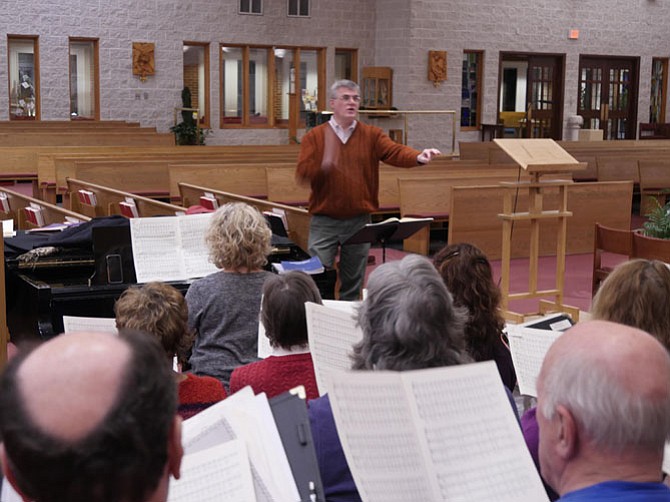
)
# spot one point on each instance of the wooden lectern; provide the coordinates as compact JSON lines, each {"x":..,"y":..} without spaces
{"x":538,"y":157}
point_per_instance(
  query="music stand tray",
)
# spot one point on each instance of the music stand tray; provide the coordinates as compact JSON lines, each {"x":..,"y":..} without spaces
{"x":387,"y":230}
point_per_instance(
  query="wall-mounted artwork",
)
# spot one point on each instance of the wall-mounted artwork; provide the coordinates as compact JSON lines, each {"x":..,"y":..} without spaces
{"x":437,"y":67}
{"x":143,"y":60}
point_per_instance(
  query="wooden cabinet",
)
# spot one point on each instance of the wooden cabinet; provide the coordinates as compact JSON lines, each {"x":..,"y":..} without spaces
{"x":377,"y":88}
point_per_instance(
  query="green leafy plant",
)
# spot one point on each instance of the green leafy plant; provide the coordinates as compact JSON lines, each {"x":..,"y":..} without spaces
{"x":658,"y":221}
{"x":187,"y":131}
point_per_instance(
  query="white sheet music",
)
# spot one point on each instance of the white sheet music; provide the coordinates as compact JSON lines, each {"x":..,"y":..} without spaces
{"x":238,"y":417}
{"x":442,"y":434}
{"x":170,"y":248}
{"x":332,"y":334}
{"x":192,"y":229}
{"x":8,"y":494}
{"x":375,"y":426}
{"x":95,"y":324}
{"x":214,"y":474}
{"x":264,"y":347}
{"x":666,"y":459}
{"x":528,"y":347}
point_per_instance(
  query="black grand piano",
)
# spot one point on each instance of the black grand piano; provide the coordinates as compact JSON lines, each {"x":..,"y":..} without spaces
{"x":86,"y":279}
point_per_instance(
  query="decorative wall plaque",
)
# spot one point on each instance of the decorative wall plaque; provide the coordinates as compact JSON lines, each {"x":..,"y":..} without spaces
{"x":143,"y":60}
{"x":437,"y":67}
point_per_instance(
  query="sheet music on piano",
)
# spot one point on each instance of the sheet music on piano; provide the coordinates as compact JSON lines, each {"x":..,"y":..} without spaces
{"x":437,"y":434}
{"x":96,"y":324}
{"x":170,"y":248}
{"x":332,"y":333}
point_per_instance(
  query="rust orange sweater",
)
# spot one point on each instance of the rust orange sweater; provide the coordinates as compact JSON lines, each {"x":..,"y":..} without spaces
{"x":344,"y":178}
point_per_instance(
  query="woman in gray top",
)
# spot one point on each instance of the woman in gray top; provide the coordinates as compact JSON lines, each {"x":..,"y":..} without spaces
{"x":223,"y":307}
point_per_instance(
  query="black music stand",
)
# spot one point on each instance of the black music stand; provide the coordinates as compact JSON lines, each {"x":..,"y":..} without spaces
{"x":388,"y":230}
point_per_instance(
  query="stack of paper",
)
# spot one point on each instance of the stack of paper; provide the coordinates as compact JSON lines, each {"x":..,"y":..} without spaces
{"x":248,"y":418}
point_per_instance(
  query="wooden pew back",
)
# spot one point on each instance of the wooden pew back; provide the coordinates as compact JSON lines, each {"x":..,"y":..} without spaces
{"x":108,"y":201}
{"x":247,"y":179}
{"x":298,"y":219}
{"x":473,"y":216}
{"x":17,"y":210}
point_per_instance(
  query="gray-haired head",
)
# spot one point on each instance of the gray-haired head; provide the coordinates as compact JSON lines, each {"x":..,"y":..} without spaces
{"x":409,"y":320}
{"x":348,"y":84}
{"x":615,"y":381}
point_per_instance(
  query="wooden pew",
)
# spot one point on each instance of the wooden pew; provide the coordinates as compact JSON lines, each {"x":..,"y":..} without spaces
{"x":298,"y":219}
{"x":50,"y":212}
{"x":53,"y":170}
{"x":282,"y":186}
{"x":430,"y":197}
{"x":91,"y":138}
{"x":243,"y":179}
{"x":618,"y":168}
{"x":107,"y":201}
{"x":4,"y":331}
{"x":148,"y":177}
{"x":473,"y":217}
{"x":654,"y":182}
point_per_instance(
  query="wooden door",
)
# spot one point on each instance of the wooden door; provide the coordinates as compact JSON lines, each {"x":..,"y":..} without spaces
{"x":608,"y":95}
{"x":544,"y":97}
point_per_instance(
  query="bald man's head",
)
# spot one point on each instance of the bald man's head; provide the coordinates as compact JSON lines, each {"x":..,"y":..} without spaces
{"x":612,"y":382}
{"x":88,"y":416}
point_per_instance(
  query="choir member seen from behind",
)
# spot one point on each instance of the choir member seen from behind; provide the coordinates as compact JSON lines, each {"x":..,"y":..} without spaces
{"x":604,"y":414}
{"x":223,"y":307}
{"x":634,"y":294}
{"x":283,"y":317}
{"x":409,"y":322}
{"x":160,"y":310}
{"x":467,"y":274}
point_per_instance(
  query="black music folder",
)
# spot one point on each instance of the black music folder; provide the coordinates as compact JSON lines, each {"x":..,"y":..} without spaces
{"x":290,"y":414}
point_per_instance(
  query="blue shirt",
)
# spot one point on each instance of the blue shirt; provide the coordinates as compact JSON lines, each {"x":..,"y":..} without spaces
{"x":620,"y":491}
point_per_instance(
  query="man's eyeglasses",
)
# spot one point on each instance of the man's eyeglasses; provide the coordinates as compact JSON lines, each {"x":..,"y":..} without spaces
{"x":348,"y":97}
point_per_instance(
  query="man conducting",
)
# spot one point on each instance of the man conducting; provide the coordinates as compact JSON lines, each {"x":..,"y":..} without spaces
{"x":340,"y":161}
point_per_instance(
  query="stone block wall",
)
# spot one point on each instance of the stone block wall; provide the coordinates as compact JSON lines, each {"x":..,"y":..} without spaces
{"x":395,"y":33}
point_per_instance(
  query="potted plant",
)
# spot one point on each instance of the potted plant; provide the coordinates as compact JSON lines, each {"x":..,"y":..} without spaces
{"x":187,"y":131}
{"x":658,"y":221}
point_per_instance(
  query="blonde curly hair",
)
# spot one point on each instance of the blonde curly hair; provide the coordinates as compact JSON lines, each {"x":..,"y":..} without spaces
{"x":238,"y":237}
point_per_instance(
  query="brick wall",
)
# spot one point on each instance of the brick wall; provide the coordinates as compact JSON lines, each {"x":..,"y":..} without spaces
{"x":396,"y":33}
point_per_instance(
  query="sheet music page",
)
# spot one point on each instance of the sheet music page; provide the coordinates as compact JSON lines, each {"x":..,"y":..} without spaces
{"x":218,"y":473}
{"x":156,"y":249}
{"x":470,"y":435}
{"x":379,"y":437}
{"x":8,"y":494}
{"x":214,"y":426}
{"x":528,"y":347}
{"x":195,"y":252}
{"x":332,"y":334}
{"x":666,"y":458}
{"x":97,"y":324}
{"x":273,"y":448}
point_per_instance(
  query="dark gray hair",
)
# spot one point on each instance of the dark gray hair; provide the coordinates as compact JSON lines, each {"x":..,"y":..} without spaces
{"x":349,"y":84}
{"x":409,"y":320}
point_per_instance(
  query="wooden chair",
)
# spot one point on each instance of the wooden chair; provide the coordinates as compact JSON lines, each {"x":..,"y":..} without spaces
{"x":651,"y":248}
{"x":608,"y":240}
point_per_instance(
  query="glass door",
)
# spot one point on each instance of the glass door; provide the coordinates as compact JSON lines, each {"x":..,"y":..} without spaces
{"x":608,"y":95}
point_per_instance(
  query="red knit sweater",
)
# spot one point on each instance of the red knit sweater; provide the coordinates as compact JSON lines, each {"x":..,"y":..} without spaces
{"x":345,"y":184}
{"x":277,"y":374}
{"x":197,"y":393}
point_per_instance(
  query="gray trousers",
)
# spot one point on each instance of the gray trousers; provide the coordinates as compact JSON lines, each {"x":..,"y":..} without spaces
{"x":326,"y":235}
